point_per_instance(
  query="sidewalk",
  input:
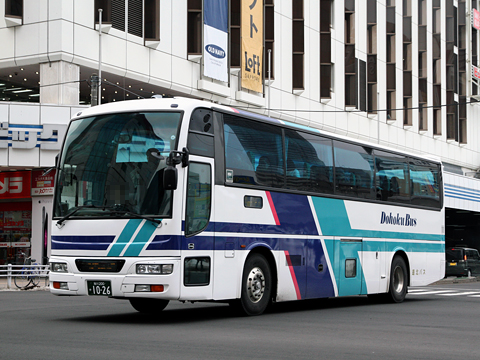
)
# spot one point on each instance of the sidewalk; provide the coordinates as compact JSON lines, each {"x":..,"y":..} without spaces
{"x":3,"y":285}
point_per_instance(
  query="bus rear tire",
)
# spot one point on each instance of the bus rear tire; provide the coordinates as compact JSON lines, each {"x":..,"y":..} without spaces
{"x":149,"y":306}
{"x":398,"y":280}
{"x":256,"y":286}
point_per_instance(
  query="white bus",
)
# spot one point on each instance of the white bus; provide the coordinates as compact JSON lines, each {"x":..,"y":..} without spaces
{"x":180,"y":199}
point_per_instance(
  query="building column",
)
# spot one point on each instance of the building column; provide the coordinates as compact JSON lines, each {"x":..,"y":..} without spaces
{"x":59,"y":83}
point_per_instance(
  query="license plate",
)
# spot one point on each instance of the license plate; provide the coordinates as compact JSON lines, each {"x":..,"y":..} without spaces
{"x":453,"y":264}
{"x":99,"y":288}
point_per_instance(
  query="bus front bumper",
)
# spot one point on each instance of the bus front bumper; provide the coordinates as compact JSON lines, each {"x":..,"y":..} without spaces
{"x":126,"y":285}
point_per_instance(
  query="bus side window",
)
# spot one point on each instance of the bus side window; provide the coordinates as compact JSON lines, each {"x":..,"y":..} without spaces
{"x":424,"y":177}
{"x":392,"y":177}
{"x":353,"y":170}
{"x":253,"y":152}
{"x":309,"y":162}
{"x":198,"y":198}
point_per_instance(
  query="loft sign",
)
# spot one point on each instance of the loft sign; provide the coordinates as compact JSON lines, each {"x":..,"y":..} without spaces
{"x":45,"y":137}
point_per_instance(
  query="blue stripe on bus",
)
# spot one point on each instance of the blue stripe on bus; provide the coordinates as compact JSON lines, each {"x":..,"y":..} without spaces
{"x":78,"y":242}
{"x":124,"y":237}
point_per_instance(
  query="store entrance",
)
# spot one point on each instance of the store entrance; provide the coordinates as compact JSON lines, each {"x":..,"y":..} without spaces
{"x":15,"y":232}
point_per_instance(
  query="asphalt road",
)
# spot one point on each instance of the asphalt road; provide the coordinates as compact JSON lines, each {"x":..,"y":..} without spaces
{"x":428,"y":325}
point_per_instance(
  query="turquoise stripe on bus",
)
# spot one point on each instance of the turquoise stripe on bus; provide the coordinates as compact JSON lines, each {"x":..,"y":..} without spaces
{"x":141,"y":239}
{"x":333,"y":219}
{"x":124,"y":237}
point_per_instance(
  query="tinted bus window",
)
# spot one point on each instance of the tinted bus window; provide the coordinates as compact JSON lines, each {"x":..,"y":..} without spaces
{"x":309,"y":162}
{"x":200,"y":136}
{"x":353,"y":170}
{"x":391,"y":177}
{"x":253,"y":152}
{"x":425,"y":183}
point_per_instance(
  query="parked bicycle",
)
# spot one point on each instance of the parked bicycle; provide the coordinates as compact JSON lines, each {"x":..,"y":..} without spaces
{"x":27,"y":277}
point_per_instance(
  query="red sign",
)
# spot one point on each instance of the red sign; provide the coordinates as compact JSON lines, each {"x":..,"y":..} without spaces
{"x":42,"y":184}
{"x":476,"y":19}
{"x":475,"y":72}
{"x":15,"y":185}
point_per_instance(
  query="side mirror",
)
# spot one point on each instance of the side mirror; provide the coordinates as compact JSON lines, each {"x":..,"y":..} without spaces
{"x":170,"y":178}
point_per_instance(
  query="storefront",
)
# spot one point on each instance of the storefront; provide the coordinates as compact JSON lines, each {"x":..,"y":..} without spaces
{"x":15,"y":216}
{"x":25,"y":198}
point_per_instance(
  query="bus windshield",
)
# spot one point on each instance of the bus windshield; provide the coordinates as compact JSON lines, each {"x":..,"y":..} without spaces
{"x":112,"y":165}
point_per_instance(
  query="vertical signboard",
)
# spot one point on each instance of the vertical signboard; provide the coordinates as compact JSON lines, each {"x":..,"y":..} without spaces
{"x":42,"y":182}
{"x":215,"y":33}
{"x":252,"y":44}
{"x":476,"y":19}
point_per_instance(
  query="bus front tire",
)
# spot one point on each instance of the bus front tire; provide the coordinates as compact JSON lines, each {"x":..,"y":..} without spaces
{"x":149,"y":306}
{"x":256,"y":286}
{"x":398,"y":280}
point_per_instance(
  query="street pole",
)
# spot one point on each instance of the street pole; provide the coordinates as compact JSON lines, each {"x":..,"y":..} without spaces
{"x":99,"y":95}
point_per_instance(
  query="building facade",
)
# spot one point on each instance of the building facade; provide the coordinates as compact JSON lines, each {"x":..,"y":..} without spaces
{"x":402,"y":73}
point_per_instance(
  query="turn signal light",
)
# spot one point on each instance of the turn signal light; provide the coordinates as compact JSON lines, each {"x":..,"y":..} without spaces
{"x":157,"y":288}
{"x":60,"y":285}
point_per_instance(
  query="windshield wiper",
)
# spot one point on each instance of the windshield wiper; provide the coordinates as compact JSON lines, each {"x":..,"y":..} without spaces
{"x":70,"y":214}
{"x":135,"y":215}
{"x":113,"y":210}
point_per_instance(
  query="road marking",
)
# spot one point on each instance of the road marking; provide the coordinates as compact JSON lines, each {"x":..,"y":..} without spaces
{"x":461,"y":293}
{"x":423,"y":292}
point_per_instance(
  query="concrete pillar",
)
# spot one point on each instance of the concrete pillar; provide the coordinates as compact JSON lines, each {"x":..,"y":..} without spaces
{"x":59,"y":83}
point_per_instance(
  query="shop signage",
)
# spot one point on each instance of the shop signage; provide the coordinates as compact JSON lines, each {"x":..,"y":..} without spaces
{"x":215,"y":32}
{"x":252,"y":45}
{"x":476,"y":19}
{"x":15,"y":185}
{"x":20,"y":244}
{"x":475,"y":72}
{"x":4,"y":244}
{"x":42,"y":184}
{"x":45,"y":137}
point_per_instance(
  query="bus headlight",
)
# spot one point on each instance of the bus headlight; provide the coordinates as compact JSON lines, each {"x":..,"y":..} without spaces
{"x":58,"y":267}
{"x":155,"y":269}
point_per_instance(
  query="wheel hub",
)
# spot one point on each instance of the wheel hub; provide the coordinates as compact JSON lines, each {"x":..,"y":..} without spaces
{"x":256,"y":284}
{"x":398,"y":279}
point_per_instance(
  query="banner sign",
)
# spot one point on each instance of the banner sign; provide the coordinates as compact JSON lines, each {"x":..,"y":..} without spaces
{"x":15,"y":185}
{"x":252,"y":44}
{"x":476,"y":19}
{"x":42,"y":184}
{"x":475,"y":72}
{"x":215,"y":33}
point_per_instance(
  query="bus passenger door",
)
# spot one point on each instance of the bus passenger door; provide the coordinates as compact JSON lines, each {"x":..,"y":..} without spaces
{"x":197,"y":254}
{"x":350,"y":266}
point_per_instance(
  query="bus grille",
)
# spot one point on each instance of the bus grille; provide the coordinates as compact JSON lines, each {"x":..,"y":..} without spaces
{"x":111,"y":266}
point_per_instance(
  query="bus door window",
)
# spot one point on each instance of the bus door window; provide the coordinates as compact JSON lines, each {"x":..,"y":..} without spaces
{"x":200,"y":134}
{"x":198,"y":198}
